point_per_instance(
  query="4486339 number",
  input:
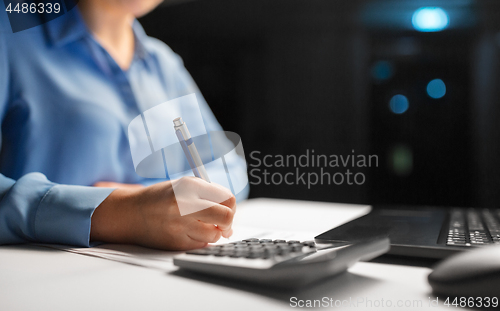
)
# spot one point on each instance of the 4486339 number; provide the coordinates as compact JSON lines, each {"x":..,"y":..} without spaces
{"x":472,"y":302}
{"x":33,"y":7}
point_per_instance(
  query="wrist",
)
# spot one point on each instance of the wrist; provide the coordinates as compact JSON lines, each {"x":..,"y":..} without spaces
{"x":113,"y":220}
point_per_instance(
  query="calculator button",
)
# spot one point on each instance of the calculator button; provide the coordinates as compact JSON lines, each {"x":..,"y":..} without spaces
{"x":224,"y":253}
{"x":265,"y":241}
{"x":283,"y":248}
{"x":270,"y":247}
{"x":283,"y":251}
{"x":239,"y":243}
{"x":270,"y":252}
{"x":251,"y":240}
{"x":242,"y":252}
{"x":309,"y":243}
{"x":282,"y":245}
{"x":293,"y":242}
{"x":255,"y":247}
{"x":253,"y":243}
{"x":296,"y":247}
{"x":256,"y":254}
{"x":279,"y":241}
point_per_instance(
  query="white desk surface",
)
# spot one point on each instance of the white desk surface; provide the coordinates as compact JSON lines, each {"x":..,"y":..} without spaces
{"x":39,"y":278}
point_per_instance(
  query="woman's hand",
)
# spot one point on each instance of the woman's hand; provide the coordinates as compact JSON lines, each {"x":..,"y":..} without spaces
{"x":150,"y":216}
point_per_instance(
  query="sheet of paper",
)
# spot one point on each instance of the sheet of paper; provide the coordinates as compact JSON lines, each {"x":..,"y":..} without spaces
{"x":158,"y":259}
{"x":257,"y":218}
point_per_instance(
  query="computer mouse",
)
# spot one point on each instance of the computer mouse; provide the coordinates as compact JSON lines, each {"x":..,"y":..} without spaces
{"x":474,"y":273}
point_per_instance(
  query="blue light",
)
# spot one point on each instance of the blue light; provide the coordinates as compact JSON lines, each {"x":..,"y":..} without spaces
{"x":399,"y":104}
{"x":382,"y":70}
{"x":436,"y":88}
{"x":430,"y":19}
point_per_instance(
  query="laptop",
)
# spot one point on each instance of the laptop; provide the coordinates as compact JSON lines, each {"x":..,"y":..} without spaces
{"x":423,"y":231}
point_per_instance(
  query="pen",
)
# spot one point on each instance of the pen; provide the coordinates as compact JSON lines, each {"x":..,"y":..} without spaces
{"x":190,"y":150}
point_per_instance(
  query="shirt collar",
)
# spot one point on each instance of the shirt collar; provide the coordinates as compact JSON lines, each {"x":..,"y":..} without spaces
{"x":67,"y":28}
{"x":140,"y":40}
{"x":71,"y":27}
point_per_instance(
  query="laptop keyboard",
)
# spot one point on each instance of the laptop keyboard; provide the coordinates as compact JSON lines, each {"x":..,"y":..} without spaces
{"x":472,"y":227}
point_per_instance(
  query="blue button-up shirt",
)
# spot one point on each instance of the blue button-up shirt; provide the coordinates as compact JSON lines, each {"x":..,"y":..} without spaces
{"x":65,"y":106}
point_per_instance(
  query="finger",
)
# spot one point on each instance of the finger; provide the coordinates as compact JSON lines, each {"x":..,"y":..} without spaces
{"x":228,"y":233}
{"x":215,"y":193}
{"x":230,"y":202}
{"x":218,"y":214}
{"x":202,"y":232}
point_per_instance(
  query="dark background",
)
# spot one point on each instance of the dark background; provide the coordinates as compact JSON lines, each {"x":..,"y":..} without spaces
{"x":290,"y":75}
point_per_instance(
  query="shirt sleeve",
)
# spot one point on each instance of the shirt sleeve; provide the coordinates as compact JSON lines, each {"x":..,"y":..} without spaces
{"x":33,"y":209}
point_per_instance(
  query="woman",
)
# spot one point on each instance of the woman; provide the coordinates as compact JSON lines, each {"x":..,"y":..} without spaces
{"x":70,"y":89}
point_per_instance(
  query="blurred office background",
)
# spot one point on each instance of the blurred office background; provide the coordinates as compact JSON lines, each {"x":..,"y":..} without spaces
{"x":415,"y":82}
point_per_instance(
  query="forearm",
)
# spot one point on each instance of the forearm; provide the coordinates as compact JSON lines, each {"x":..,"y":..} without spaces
{"x":113,"y":221}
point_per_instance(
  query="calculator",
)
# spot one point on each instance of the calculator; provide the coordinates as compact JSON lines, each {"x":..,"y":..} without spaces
{"x":279,"y":262}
